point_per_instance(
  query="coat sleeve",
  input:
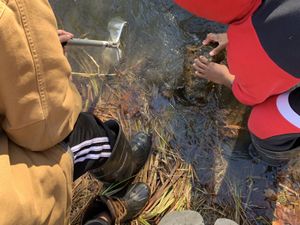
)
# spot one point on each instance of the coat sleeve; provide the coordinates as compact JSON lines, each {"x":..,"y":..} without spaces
{"x":222,"y":11}
{"x":39,"y":105}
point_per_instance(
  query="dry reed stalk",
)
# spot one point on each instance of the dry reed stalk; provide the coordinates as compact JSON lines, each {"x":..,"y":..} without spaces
{"x":171,"y":189}
{"x":84,"y":189}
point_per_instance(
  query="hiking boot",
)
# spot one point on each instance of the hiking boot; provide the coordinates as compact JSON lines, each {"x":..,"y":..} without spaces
{"x":126,"y":159}
{"x":120,"y":209}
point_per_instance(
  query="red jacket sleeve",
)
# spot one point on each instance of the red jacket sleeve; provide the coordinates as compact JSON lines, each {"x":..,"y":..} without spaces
{"x":222,"y":11}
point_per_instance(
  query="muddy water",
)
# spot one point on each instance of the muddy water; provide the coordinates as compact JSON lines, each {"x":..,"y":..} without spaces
{"x":210,"y":133}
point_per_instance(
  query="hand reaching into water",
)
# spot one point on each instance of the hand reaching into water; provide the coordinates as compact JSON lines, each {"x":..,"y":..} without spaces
{"x":214,"y":72}
{"x":221,"y":39}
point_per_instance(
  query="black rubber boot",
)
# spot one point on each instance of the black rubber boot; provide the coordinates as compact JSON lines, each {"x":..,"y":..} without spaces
{"x":126,"y":159}
{"x":121,"y":209}
{"x":274,"y":159}
{"x":97,"y":222}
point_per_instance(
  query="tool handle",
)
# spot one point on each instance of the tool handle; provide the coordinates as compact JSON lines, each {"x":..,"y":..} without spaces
{"x":87,"y":42}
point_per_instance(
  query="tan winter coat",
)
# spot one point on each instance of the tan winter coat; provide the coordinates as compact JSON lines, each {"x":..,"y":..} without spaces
{"x":38,"y":108}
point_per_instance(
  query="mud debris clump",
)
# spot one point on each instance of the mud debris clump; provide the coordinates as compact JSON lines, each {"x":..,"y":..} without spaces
{"x":197,"y":90}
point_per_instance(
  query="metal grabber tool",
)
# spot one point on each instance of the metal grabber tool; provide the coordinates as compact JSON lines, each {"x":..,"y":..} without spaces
{"x":115,"y":28}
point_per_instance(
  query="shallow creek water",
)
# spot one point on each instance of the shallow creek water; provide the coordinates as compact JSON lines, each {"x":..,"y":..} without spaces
{"x":210,"y":133}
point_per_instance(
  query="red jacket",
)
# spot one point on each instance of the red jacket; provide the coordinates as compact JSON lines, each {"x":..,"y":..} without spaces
{"x":264,"y":43}
{"x":278,"y":115}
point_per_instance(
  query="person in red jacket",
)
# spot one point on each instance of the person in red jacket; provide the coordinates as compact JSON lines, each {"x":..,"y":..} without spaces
{"x":263,"y":43}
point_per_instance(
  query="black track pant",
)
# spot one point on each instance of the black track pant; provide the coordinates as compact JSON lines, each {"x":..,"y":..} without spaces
{"x":91,"y":143}
{"x":277,"y":150}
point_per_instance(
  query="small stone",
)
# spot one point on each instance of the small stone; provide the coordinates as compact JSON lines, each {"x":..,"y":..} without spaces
{"x":182,"y":218}
{"x":225,"y":222}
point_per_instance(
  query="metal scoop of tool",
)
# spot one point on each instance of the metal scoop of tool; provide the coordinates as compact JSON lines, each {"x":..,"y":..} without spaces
{"x":115,"y":28}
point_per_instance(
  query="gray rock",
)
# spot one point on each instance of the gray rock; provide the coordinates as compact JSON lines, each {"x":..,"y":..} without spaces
{"x":225,"y":222}
{"x":182,"y":218}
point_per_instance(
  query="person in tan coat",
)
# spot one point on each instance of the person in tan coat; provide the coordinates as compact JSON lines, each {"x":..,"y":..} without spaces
{"x":39,"y":111}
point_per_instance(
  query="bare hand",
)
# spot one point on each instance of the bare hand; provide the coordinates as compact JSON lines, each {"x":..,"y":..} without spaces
{"x":64,"y":36}
{"x":214,"y":72}
{"x":221,"y":39}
